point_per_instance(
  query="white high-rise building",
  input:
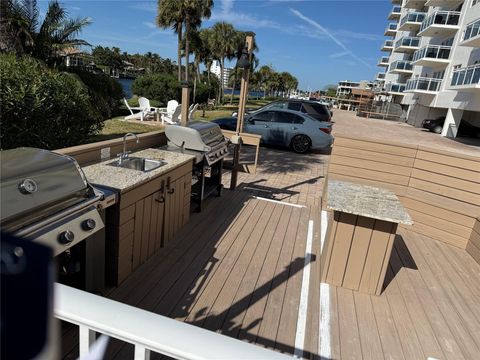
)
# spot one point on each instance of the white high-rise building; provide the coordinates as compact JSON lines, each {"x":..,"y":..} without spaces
{"x":433,"y":61}
{"x":216,"y":69}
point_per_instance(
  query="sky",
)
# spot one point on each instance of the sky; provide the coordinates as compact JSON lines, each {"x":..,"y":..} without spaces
{"x":319,"y":42}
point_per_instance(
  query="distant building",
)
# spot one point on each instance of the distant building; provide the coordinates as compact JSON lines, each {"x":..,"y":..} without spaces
{"x":216,"y":69}
{"x":345,"y":87}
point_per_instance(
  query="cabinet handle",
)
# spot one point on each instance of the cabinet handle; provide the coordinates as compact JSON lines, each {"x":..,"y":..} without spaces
{"x":161,"y":199}
{"x":168,"y":183}
{"x":171,"y":191}
{"x":162,"y":186}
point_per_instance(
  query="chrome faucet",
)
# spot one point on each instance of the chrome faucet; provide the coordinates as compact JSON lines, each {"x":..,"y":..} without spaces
{"x":124,"y":155}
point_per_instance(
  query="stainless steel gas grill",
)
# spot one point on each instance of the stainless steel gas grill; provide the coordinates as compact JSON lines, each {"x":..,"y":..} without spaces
{"x":46,"y":198}
{"x":206,"y":142}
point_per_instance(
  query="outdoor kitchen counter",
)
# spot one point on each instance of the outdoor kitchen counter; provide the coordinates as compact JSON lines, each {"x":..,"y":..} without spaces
{"x":361,"y":232}
{"x":124,"y":179}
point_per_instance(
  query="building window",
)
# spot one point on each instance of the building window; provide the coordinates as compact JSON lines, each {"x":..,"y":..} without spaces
{"x":475,"y":2}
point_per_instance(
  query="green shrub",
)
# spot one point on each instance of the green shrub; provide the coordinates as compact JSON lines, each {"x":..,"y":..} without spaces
{"x":106,"y":92}
{"x":159,"y":87}
{"x":42,"y":107}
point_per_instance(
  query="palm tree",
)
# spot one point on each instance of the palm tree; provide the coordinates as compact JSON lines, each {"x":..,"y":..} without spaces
{"x":174,"y":13}
{"x":170,"y":16}
{"x":56,"y":33}
{"x":224,"y":45}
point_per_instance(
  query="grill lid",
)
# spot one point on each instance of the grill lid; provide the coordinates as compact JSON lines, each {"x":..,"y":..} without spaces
{"x":33,"y":179}
{"x":199,"y":135}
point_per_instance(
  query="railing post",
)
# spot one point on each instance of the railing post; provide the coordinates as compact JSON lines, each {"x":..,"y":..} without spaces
{"x":141,"y":353}
{"x":87,"y":338}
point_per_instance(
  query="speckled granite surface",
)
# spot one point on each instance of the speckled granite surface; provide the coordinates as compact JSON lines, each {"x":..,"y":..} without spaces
{"x":366,"y":201}
{"x":125,"y":179}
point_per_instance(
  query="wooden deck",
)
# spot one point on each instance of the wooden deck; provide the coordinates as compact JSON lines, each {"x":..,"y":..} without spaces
{"x":238,"y":268}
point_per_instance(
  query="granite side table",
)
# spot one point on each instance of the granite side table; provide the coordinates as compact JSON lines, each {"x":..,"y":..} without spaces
{"x":360,"y":235}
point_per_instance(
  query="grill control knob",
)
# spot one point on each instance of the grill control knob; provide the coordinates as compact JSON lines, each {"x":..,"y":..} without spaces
{"x":66,"y":237}
{"x":88,"y":224}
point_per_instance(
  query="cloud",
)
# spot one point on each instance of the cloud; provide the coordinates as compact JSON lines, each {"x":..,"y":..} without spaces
{"x":226,"y":13}
{"x":339,"y":55}
{"x":149,"y":24}
{"x":332,"y":37}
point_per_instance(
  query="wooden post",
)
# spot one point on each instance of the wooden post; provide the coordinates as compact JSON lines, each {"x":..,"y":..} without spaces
{"x":185,"y":105}
{"x":241,"y":113}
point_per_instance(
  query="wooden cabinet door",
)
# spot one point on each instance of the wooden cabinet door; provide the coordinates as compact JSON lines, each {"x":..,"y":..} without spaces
{"x":149,"y":216}
{"x":174,"y":207}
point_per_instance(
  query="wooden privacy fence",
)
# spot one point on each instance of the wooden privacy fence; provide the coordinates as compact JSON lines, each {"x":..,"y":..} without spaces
{"x":441,"y":190}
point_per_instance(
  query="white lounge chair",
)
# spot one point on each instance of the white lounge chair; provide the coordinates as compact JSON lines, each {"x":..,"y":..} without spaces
{"x":174,"y":118}
{"x":144,"y":110}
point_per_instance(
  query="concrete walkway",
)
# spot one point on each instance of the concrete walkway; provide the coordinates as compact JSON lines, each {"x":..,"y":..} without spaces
{"x":350,"y":125}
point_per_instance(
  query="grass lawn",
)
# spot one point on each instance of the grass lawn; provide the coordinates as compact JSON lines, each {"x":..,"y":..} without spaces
{"x":117,"y":127}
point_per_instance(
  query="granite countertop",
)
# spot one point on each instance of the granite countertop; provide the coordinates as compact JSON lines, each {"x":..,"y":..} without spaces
{"x":123,"y":179}
{"x":366,"y":201}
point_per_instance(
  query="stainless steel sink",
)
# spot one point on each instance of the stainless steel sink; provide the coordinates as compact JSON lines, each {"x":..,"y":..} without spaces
{"x":140,"y":164}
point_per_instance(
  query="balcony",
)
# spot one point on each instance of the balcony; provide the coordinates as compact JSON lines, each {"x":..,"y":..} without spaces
{"x":444,"y":3}
{"x":411,"y":21}
{"x":395,"y":13}
{"x":440,"y":23}
{"x":395,"y":88}
{"x":380,"y":76}
{"x":423,"y":85}
{"x":387,"y":45}
{"x":391,"y":30}
{"x":384,"y":61}
{"x":397,"y":2}
{"x":434,"y":56}
{"x":407,"y":44}
{"x":414,"y":4}
{"x":467,"y":78}
{"x":401,"y":67}
{"x":471,"y":35}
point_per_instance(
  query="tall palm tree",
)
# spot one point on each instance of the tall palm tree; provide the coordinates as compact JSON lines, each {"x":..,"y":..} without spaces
{"x":224,"y":45}
{"x":174,"y":13}
{"x":170,"y":16}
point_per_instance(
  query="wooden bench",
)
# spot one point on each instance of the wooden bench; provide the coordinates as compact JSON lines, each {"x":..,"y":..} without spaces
{"x":441,"y":190}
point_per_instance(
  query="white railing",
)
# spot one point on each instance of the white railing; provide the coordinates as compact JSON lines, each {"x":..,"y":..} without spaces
{"x":410,"y":41}
{"x":441,"y":18}
{"x":148,"y":332}
{"x":395,"y":88}
{"x":432,"y":52}
{"x":403,"y":65}
{"x":412,"y":17}
{"x":469,"y":75}
{"x":423,"y":84}
{"x":472,"y":30}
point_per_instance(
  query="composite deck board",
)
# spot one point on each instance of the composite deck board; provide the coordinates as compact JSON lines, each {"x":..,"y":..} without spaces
{"x":461,"y":334}
{"x":237,"y":268}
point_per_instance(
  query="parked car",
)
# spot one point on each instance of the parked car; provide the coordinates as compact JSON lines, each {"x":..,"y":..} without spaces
{"x":301,"y":132}
{"x":434,"y":125}
{"x":316,"y":109}
{"x":466,"y":128}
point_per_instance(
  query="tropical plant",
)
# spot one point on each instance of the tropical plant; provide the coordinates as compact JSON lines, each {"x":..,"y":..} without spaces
{"x":44,"y":41}
{"x":42,"y":107}
{"x":174,"y":14}
{"x":160,"y":87}
{"x":224,"y":45}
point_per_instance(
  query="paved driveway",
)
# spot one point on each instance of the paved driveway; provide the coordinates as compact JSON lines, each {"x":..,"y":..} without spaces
{"x":348,"y":124}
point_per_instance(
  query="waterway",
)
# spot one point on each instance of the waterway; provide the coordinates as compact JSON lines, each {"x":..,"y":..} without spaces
{"x":127,"y":90}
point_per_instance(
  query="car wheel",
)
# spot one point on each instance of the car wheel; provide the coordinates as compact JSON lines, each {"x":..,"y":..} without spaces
{"x":437,"y":129}
{"x":301,"y":144}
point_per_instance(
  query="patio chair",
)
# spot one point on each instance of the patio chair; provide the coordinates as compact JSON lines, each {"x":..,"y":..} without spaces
{"x":144,"y":111}
{"x":174,"y":118}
